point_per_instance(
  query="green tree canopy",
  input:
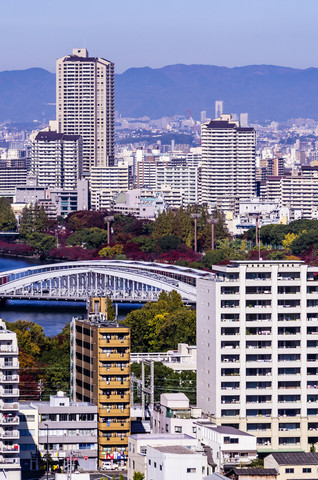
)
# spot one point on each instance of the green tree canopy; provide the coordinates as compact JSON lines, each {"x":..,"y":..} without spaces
{"x":161,"y":325}
{"x":88,"y":238}
{"x":33,"y":220}
{"x":8,"y":221}
{"x":110,"y":310}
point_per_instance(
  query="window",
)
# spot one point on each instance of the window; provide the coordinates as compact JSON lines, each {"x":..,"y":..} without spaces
{"x":289,"y":470}
{"x":160,"y":466}
{"x":306,"y":470}
{"x":149,"y":462}
{"x":230,"y":440}
{"x":191,"y":470}
{"x":177,"y":429}
{"x":154,"y":464}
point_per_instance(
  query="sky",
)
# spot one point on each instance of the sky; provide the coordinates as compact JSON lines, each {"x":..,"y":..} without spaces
{"x":155,"y":33}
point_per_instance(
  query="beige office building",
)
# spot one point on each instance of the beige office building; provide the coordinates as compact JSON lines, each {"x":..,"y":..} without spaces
{"x":85,"y":105}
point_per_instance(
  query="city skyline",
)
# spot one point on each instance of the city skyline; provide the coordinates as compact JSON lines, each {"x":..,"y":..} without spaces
{"x":141,"y":34}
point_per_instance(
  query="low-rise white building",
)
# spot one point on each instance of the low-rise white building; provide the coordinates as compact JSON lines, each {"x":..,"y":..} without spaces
{"x":175,"y":462}
{"x":138,"y":445}
{"x":174,"y":415}
{"x":230,"y":446}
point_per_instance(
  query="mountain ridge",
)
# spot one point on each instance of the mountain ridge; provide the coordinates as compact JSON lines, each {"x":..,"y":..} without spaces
{"x":266,"y":92}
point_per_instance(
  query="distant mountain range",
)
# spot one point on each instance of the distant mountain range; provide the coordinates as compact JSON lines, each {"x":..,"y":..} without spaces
{"x":266,"y":92}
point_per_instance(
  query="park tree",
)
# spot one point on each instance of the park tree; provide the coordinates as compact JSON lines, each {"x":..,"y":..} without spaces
{"x":110,"y":310}
{"x":162,"y":325}
{"x":85,"y":219}
{"x":34,"y":219}
{"x":8,"y":221}
{"x":88,"y":238}
{"x":169,"y":242}
{"x":41,"y":242}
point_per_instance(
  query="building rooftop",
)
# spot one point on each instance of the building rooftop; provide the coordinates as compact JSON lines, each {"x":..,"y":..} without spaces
{"x":53,"y":135}
{"x":257,"y":472}
{"x":99,"y":319}
{"x":176,"y":397}
{"x":176,"y":449}
{"x":296,"y":458}
{"x":223,"y":429}
{"x":161,"y":436}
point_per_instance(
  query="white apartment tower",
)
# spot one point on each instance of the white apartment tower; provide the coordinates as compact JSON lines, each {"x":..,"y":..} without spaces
{"x":228,"y":162}
{"x":85,"y":105}
{"x":9,"y":406}
{"x":56,"y":159}
{"x":218,"y":108}
{"x":257,"y":343}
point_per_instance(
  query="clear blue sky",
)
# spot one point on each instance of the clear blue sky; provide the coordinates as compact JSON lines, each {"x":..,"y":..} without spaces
{"x":154,"y":33}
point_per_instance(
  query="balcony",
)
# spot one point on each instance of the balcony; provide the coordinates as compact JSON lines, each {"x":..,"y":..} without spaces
{"x":105,"y":426}
{"x":10,"y":434}
{"x":8,"y":349}
{"x":9,"y":462}
{"x":6,"y":419}
{"x":9,"y":378}
{"x":10,"y":448}
{"x":9,"y":392}
{"x":118,"y":412}
{"x":114,"y":384}
{"x":114,"y":343}
{"x":114,"y":371}
{"x":114,"y":357}
{"x":114,"y":398}
{"x":112,"y":440}
{"x":9,"y":406}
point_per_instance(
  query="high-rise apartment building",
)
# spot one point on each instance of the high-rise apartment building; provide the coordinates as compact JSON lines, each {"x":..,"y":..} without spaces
{"x":9,"y":406}
{"x":56,"y":159}
{"x":101,"y":375}
{"x":228,"y":162}
{"x":257,"y":340}
{"x":85,"y":105}
{"x":105,"y":183}
{"x":218,"y":108}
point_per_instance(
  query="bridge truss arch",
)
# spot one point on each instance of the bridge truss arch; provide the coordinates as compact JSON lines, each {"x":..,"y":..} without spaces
{"x":122,"y":281}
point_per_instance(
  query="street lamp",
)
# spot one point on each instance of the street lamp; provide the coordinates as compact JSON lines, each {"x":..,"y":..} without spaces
{"x":195,"y":216}
{"x":47,"y":450}
{"x":213,"y":221}
{"x":108,"y":219}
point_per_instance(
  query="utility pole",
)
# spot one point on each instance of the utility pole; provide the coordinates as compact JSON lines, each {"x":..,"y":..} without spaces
{"x":213,"y":221}
{"x":195,"y":216}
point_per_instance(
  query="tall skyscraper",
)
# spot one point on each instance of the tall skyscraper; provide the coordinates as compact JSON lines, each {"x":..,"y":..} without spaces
{"x":228,"y":162}
{"x":85,"y":105}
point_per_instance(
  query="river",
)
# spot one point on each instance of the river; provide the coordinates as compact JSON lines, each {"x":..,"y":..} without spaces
{"x":52,"y":316}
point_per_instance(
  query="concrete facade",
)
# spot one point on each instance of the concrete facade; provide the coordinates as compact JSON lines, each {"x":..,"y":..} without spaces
{"x":85,"y":105}
{"x":257,"y":325}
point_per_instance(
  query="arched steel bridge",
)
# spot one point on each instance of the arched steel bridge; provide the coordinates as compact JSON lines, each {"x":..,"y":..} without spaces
{"x":121,"y":280}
